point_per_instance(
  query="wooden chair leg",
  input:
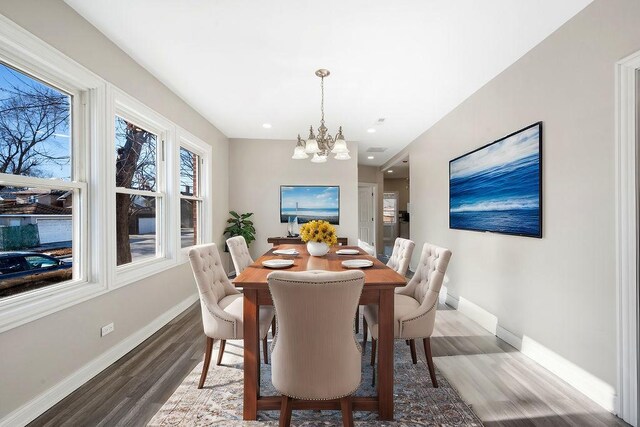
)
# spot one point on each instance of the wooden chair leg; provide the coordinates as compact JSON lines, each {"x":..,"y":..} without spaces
{"x":265,"y":350}
{"x":347,"y":411}
{"x":207,"y":359}
{"x":358,"y":320}
{"x":365,"y":335}
{"x":285,"y":412}
{"x":414,"y":356}
{"x":432,"y":369}
{"x":373,"y":351}
{"x":273,"y":327}
{"x":221,"y":351}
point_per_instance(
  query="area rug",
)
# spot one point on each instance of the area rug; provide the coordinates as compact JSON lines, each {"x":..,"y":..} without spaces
{"x":219,"y":403}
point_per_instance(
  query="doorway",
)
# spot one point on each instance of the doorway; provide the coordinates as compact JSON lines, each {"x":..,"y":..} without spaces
{"x":396,"y":203}
{"x":367,"y":215}
{"x":627,"y":226}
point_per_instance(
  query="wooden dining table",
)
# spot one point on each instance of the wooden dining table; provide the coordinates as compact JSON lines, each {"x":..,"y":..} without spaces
{"x":380,"y":282}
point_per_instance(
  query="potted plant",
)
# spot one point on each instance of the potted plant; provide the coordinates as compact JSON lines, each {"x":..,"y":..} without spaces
{"x":318,"y":235}
{"x":240,"y":225}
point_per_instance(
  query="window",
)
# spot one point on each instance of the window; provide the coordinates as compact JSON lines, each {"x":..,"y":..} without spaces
{"x":138,"y":199}
{"x":190,"y":198}
{"x":39,"y":186}
{"x":390,"y":208}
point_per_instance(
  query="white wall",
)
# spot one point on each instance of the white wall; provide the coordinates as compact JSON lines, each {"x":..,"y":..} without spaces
{"x":41,"y":354}
{"x":558,"y":290}
{"x":259,"y":167}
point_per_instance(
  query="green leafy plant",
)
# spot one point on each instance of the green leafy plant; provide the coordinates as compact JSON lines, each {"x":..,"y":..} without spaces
{"x":241,"y":225}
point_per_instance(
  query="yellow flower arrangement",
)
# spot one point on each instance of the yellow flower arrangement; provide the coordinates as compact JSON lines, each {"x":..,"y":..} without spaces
{"x":319,"y":231}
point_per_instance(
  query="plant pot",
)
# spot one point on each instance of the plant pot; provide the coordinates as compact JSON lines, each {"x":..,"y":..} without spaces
{"x":317,"y":248}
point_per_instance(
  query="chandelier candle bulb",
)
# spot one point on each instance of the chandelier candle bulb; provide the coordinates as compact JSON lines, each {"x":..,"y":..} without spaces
{"x":318,"y":159}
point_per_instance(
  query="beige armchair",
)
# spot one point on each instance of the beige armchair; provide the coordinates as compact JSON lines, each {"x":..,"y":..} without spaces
{"x":414,"y":306}
{"x":401,"y":255}
{"x":398,"y":261}
{"x":239,"y":252}
{"x":221,"y":304}
{"x":315,"y":355}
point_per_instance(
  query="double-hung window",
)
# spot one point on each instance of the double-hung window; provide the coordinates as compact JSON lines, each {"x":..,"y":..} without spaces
{"x":193,"y":165}
{"x":42,"y":183}
{"x":140,"y":213}
{"x":190,"y":198}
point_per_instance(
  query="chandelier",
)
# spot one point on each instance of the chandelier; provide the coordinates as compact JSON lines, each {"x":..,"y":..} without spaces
{"x":323,"y":144}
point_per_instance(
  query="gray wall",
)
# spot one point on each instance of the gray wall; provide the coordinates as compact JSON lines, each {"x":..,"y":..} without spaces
{"x":40,"y":354}
{"x":258,"y":169}
{"x":558,"y":290}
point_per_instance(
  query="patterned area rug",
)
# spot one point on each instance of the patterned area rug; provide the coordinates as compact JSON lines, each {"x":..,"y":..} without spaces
{"x":219,"y":403}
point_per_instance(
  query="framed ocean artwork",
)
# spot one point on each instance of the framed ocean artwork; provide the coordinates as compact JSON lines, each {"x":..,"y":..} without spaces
{"x":309,"y":202}
{"x":498,"y":188}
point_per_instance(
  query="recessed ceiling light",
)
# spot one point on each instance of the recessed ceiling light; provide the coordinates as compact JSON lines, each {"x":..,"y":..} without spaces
{"x":370,"y":157}
{"x":371,"y":130}
{"x":266,"y":125}
{"x":390,"y":171}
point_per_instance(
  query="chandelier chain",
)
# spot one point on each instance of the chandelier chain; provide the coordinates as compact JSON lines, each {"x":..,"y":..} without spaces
{"x":322,"y":99}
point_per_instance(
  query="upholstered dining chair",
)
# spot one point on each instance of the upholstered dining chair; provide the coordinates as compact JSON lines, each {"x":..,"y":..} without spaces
{"x":398,"y":261}
{"x":221,"y":304}
{"x":414,"y":306}
{"x":239,"y":252}
{"x":241,"y":258}
{"x":401,"y":255}
{"x":315,"y":354}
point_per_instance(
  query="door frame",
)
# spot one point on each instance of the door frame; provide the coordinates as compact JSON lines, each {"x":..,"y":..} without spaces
{"x":626,"y":157}
{"x":374,"y":191}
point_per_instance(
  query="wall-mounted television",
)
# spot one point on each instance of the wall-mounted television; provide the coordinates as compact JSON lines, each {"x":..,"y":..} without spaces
{"x":498,"y":187}
{"x":309,"y":202}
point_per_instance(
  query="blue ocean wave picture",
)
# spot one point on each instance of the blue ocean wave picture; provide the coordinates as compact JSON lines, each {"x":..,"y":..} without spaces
{"x":497,"y":188}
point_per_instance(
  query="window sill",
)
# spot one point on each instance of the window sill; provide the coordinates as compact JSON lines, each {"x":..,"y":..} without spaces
{"x":24,"y":308}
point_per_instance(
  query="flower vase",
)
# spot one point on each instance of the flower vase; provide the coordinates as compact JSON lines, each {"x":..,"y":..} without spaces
{"x":317,"y":248}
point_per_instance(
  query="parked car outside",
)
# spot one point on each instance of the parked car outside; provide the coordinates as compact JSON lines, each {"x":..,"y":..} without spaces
{"x":22,"y":271}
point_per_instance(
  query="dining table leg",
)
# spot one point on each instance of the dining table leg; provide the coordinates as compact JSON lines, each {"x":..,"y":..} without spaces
{"x":385,"y":354}
{"x":251,"y":354}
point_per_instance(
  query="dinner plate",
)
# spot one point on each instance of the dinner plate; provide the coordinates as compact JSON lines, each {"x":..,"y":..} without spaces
{"x":286,"y":252}
{"x":278,"y":263}
{"x":348,"y":252}
{"x":357,"y":263}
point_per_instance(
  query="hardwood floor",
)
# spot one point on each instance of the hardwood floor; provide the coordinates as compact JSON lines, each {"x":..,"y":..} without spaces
{"x":503,"y":387}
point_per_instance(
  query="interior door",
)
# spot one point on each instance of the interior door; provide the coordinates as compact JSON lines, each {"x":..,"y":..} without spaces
{"x":366,"y":214}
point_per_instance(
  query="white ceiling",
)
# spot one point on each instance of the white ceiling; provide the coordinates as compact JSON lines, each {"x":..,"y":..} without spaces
{"x":243,"y":63}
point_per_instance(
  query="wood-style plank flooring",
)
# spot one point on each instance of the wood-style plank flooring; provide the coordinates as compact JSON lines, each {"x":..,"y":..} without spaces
{"x":503,"y":387}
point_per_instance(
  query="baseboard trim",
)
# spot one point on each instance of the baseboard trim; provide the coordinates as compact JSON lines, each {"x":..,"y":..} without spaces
{"x":451,"y":301}
{"x":509,"y":337}
{"x":478,"y":315}
{"x":41,"y":403}
{"x":591,"y":386}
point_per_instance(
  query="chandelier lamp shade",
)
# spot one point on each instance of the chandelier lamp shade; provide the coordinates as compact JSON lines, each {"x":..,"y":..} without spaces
{"x":324,"y":144}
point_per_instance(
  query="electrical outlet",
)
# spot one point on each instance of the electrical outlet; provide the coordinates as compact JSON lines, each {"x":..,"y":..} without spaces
{"x":107,"y":329}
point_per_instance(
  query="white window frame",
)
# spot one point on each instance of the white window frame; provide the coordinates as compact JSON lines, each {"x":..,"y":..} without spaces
{"x":204,"y":151}
{"x":132,"y":110}
{"x":30,"y":55}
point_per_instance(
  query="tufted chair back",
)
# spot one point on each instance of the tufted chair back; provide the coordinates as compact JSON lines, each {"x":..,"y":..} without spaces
{"x":315,"y":354}
{"x":401,"y":255}
{"x":239,"y":253}
{"x":430,"y":273}
{"x":213,"y":283}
